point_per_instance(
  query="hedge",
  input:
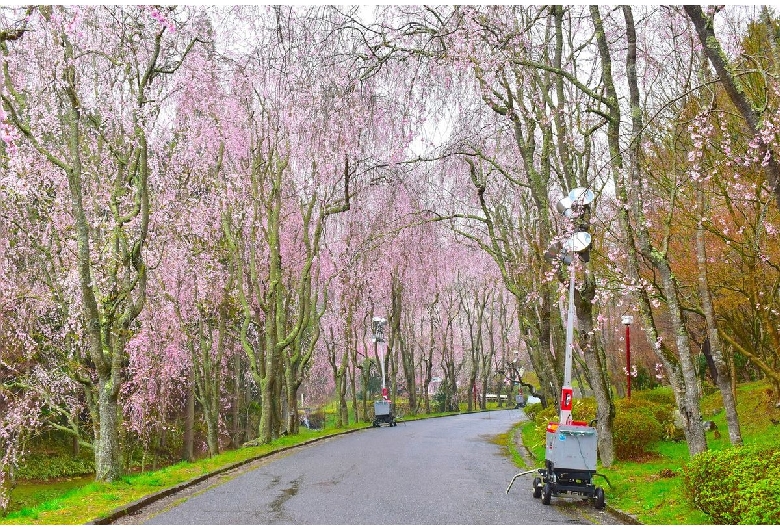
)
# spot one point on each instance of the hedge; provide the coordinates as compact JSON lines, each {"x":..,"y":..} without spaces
{"x":739,"y":485}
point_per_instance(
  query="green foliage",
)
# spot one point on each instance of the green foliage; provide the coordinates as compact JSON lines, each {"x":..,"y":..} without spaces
{"x":644,"y":380}
{"x":738,"y":485}
{"x":634,"y":430}
{"x":440,"y":401}
{"x":658,"y":403}
{"x":661,"y":395}
{"x":47,"y":467}
{"x":533,"y":409}
{"x":545,"y":416}
{"x":584,"y":409}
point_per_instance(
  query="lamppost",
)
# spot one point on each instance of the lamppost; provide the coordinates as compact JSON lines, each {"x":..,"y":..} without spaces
{"x":575,"y":207}
{"x":627,"y":321}
{"x":378,"y":328}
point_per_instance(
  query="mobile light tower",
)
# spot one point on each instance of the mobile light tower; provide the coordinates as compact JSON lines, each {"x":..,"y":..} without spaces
{"x":378,"y":329}
{"x":383,"y":409}
{"x":571,"y":446}
{"x":575,"y":207}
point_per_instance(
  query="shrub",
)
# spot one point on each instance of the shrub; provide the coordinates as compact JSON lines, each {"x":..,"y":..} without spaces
{"x":660,"y":395}
{"x":633,"y":431}
{"x":652,"y":404}
{"x":546,"y":415}
{"x":440,"y":401}
{"x":584,"y":409}
{"x":532,"y":410}
{"x":738,"y":485}
{"x":47,"y":467}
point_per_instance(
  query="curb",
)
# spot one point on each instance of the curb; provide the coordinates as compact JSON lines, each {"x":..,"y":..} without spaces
{"x":627,"y":518}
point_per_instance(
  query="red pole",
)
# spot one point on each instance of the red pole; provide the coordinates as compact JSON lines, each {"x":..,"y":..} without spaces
{"x":628,"y":360}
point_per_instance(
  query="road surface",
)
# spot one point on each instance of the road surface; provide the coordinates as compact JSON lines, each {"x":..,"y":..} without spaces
{"x":435,"y":471}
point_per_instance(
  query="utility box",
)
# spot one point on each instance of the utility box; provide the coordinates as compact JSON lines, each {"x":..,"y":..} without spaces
{"x":381,"y":408}
{"x":571,"y":447}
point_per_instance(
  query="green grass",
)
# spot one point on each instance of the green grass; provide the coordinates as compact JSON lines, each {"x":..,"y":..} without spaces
{"x":508,"y":442}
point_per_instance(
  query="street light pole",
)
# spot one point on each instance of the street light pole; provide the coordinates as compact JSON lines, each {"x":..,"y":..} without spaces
{"x":627,"y":321}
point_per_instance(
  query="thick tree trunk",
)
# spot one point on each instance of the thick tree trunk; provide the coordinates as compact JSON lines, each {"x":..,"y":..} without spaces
{"x":108,"y":458}
{"x":353,"y":383}
{"x":343,"y":414}
{"x":293,"y":419}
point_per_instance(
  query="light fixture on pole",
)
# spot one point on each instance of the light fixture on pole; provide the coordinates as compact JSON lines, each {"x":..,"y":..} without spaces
{"x":378,"y":329}
{"x":576,"y":207}
{"x":627,"y":321}
{"x":570,"y":445}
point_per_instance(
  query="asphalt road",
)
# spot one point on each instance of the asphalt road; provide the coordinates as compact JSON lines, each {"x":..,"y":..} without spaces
{"x":436,"y":471}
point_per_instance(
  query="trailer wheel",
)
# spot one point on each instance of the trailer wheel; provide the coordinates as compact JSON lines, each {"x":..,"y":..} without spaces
{"x":537,"y":485}
{"x":599,"y":502}
{"x":546,"y":494}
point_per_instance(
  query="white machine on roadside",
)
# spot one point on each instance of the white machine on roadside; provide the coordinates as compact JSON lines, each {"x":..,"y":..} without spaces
{"x":571,"y":446}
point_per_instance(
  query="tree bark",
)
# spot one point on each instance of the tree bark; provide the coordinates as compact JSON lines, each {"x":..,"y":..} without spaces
{"x":722,"y":373}
{"x":188,"y":452}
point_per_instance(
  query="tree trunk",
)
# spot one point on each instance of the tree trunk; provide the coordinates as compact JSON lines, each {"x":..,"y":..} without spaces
{"x":292,"y":386}
{"x":188,"y":453}
{"x":722,"y":373}
{"x":597,"y":374}
{"x":108,"y":459}
{"x":235,"y":404}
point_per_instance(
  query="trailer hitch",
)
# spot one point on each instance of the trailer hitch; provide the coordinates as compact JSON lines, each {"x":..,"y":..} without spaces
{"x":519,"y":475}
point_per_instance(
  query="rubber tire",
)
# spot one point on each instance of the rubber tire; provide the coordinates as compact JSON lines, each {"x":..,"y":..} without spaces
{"x":599,"y":501}
{"x":537,"y":485}
{"x":546,"y":494}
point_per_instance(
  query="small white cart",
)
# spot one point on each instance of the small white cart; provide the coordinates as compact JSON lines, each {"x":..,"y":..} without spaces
{"x":570,"y":460}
